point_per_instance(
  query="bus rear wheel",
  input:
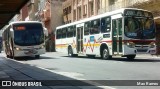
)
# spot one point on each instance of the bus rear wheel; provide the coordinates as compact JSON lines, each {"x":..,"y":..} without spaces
{"x":70,"y":52}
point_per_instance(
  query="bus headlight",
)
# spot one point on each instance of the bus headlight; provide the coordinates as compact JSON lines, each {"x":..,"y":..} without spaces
{"x":130,"y":44}
{"x":17,"y":48}
{"x":152,"y":44}
{"x":41,"y":47}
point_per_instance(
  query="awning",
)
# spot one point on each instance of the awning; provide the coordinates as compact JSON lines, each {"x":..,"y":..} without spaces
{"x":8,"y":9}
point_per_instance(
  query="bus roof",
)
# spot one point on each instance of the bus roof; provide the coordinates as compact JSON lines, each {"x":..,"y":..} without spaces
{"x":99,"y":16}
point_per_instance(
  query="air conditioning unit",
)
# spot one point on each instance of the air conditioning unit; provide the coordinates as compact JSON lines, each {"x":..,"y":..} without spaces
{"x":32,"y":1}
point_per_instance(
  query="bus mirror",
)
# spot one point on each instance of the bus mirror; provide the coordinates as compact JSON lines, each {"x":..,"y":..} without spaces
{"x":45,"y":31}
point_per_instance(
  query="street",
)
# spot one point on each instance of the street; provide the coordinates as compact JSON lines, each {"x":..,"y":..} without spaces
{"x":57,"y":66}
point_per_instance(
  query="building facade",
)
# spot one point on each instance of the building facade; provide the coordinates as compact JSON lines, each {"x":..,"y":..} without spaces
{"x":33,"y":10}
{"x":50,"y":13}
{"x":74,"y":10}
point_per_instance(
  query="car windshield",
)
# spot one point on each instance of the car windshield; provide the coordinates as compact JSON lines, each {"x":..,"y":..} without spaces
{"x":28,"y":34}
{"x":139,"y":28}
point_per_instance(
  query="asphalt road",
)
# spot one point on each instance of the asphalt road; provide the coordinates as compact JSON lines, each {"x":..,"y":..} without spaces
{"x":144,"y":67}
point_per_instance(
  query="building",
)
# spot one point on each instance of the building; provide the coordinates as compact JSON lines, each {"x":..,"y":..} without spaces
{"x":33,"y":10}
{"x":74,"y":10}
{"x":23,"y":14}
{"x":50,"y":13}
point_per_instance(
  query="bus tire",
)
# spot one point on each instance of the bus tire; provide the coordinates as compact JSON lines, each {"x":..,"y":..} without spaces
{"x":131,"y":57}
{"x":105,"y":54}
{"x":70,"y":52}
{"x":37,"y":56}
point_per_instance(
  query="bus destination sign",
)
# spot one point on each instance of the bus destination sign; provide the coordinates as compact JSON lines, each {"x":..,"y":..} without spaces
{"x":138,"y":13}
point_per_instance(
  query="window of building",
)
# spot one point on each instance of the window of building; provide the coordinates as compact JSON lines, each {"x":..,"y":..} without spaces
{"x":91,"y":8}
{"x":74,"y":2}
{"x":79,"y":12}
{"x":65,"y":11}
{"x":78,"y":1}
{"x":95,"y":26}
{"x":84,"y":10}
{"x":69,"y":9}
{"x":111,"y":2}
{"x":98,"y":5}
{"x":105,"y":24}
{"x":74,"y":15}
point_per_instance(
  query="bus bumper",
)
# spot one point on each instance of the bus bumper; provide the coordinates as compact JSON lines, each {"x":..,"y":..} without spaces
{"x":22,"y":53}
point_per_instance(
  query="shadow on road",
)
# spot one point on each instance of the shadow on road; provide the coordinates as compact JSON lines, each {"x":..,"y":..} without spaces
{"x":119,"y":59}
{"x":27,"y":58}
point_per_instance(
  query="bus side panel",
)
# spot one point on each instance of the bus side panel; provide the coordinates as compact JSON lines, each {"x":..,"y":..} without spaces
{"x":92,"y":44}
{"x":86,"y":45}
{"x":58,"y":45}
{"x":108,"y":41}
{"x":64,"y":45}
{"x":96,"y":44}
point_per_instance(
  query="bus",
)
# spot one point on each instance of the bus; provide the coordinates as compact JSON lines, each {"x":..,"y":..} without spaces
{"x":24,"y":38}
{"x":124,"y":32}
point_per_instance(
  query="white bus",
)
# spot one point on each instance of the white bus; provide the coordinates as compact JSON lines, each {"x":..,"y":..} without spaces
{"x":124,"y":32}
{"x":24,"y":38}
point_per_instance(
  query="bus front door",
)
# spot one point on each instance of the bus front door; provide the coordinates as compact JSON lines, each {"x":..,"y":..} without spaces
{"x":79,"y":38}
{"x":117,"y":36}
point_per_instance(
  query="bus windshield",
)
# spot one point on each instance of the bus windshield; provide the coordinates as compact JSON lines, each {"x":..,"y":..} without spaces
{"x":28,"y":34}
{"x":139,"y":27}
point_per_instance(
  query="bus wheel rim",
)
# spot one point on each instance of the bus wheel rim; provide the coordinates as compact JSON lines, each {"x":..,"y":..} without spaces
{"x":69,"y":52}
{"x":105,"y":54}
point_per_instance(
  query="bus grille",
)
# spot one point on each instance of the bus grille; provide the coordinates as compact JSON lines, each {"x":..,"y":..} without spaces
{"x":142,"y":50}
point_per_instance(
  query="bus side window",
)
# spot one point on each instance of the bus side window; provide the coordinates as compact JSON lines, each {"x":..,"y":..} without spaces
{"x":95,"y":26}
{"x":64,"y":31}
{"x":105,"y":24}
{"x":86,"y":28}
{"x":70,"y":31}
{"x":120,"y":26}
{"x":58,"y":34}
{"x":74,"y":30}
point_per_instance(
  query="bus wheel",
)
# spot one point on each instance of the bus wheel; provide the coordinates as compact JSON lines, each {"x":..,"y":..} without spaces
{"x":105,"y":54}
{"x":70,"y":52}
{"x":131,"y":57}
{"x":37,"y":56}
